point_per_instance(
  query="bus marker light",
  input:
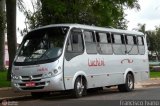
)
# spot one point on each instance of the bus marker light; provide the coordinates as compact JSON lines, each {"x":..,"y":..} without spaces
{"x":55,"y":71}
{"x":59,"y":68}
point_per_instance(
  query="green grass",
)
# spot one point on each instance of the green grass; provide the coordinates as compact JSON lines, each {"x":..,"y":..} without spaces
{"x":155,"y":74}
{"x":3,"y":79}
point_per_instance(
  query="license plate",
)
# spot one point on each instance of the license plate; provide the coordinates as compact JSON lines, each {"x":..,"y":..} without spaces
{"x":30,"y":84}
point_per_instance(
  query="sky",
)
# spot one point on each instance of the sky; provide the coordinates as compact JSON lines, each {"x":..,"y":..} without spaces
{"x":149,"y":14}
{"x":21,"y":20}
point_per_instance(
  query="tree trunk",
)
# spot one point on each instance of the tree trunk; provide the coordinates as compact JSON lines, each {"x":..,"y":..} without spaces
{"x":2,"y":35}
{"x":11,"y":32}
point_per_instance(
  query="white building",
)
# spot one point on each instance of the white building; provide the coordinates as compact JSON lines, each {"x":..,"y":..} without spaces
{"x":6,"y":55}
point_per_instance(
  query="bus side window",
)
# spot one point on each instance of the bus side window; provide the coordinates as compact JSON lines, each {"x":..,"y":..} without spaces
{"x":135,"y":40}
{"x":122,"y":39}
{"x":91,"y":46}
{"x":109,"y":38}
{"x":104,"y":43}
{"x":131,"y":44}
{"x":74,"y":44}
{"x":113,"y":40}
{"x":126,"y":39}
{"x":69,"y":46}
{"x":118,"y":44}
{"x":77,"y":44}
{"x":141,"y":45}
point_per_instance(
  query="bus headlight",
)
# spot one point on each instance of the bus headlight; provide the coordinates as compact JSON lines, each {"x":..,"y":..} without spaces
{"x":48,"y":75}
{"x":51,"y":74}
{"x":14,"y":77}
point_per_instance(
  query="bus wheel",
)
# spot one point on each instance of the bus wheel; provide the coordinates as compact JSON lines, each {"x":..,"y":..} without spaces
{"x":80,"y":88}
{"x":129,"y":84}
{"x":39,"y":94}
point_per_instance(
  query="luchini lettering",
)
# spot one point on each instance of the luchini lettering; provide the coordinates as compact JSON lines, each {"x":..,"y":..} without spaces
{"x":42,"y":69}
{"x":96,"y":62}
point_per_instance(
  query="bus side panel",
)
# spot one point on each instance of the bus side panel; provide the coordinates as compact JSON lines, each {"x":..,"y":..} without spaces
{"x":101,"y":70}
{"x":145,"y":74}
{"x":140,"y":67}
{"x":71,"y":67}
{"x":145,"y":68}
{"x":137,"y":76}
{"x":115,"y":69}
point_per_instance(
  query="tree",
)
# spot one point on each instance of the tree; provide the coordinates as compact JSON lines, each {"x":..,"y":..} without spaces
{"x":2,"y":35}
{"x":157,"y":42}
{"x":142,"y":28}
{"x":97,"y":12}
{"x":153,"y":38}
{"x":11,"y":32}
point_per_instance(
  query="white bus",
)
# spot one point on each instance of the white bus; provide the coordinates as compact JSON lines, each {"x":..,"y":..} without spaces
{"x":79,"y":57}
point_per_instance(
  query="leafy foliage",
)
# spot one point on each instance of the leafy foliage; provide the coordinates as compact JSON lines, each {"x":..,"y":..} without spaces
{"x":97,"y":12}
{"x":2,"y":21}
{"x":153,"y":40}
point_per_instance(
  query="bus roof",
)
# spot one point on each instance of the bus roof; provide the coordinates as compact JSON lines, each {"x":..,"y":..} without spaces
{"x":91,"y":27}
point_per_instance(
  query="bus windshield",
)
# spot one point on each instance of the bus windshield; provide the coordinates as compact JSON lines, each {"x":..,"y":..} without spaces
{"x":42,"y":44}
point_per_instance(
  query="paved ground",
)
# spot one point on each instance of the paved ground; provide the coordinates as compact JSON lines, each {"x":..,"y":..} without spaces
{"x":8,"y":93}
{"x":148,"y":83}
{"x":148,"y":96}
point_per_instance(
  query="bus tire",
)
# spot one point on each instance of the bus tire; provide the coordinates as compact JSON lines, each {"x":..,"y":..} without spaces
{"x":129,"y":84}
{"x":80,"y":87}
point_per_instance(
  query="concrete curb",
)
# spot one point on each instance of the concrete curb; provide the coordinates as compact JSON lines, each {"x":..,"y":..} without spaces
{"x":151,"y":84}
{"x":6,"y":88}
{"x":146,"y":85}
{"x":155,"y":78}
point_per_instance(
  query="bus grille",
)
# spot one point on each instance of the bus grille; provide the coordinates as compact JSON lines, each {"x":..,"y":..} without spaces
{"x":31,"y":78}
{"x":38,"y":85}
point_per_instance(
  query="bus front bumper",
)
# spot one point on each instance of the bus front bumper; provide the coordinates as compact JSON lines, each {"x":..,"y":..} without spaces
{"x":48,"y":84}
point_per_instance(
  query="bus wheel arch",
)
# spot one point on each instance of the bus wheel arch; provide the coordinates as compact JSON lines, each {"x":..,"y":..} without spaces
{"x":129,"y":71}
{"x":129,"y":83}
{"x":80,"y":86}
